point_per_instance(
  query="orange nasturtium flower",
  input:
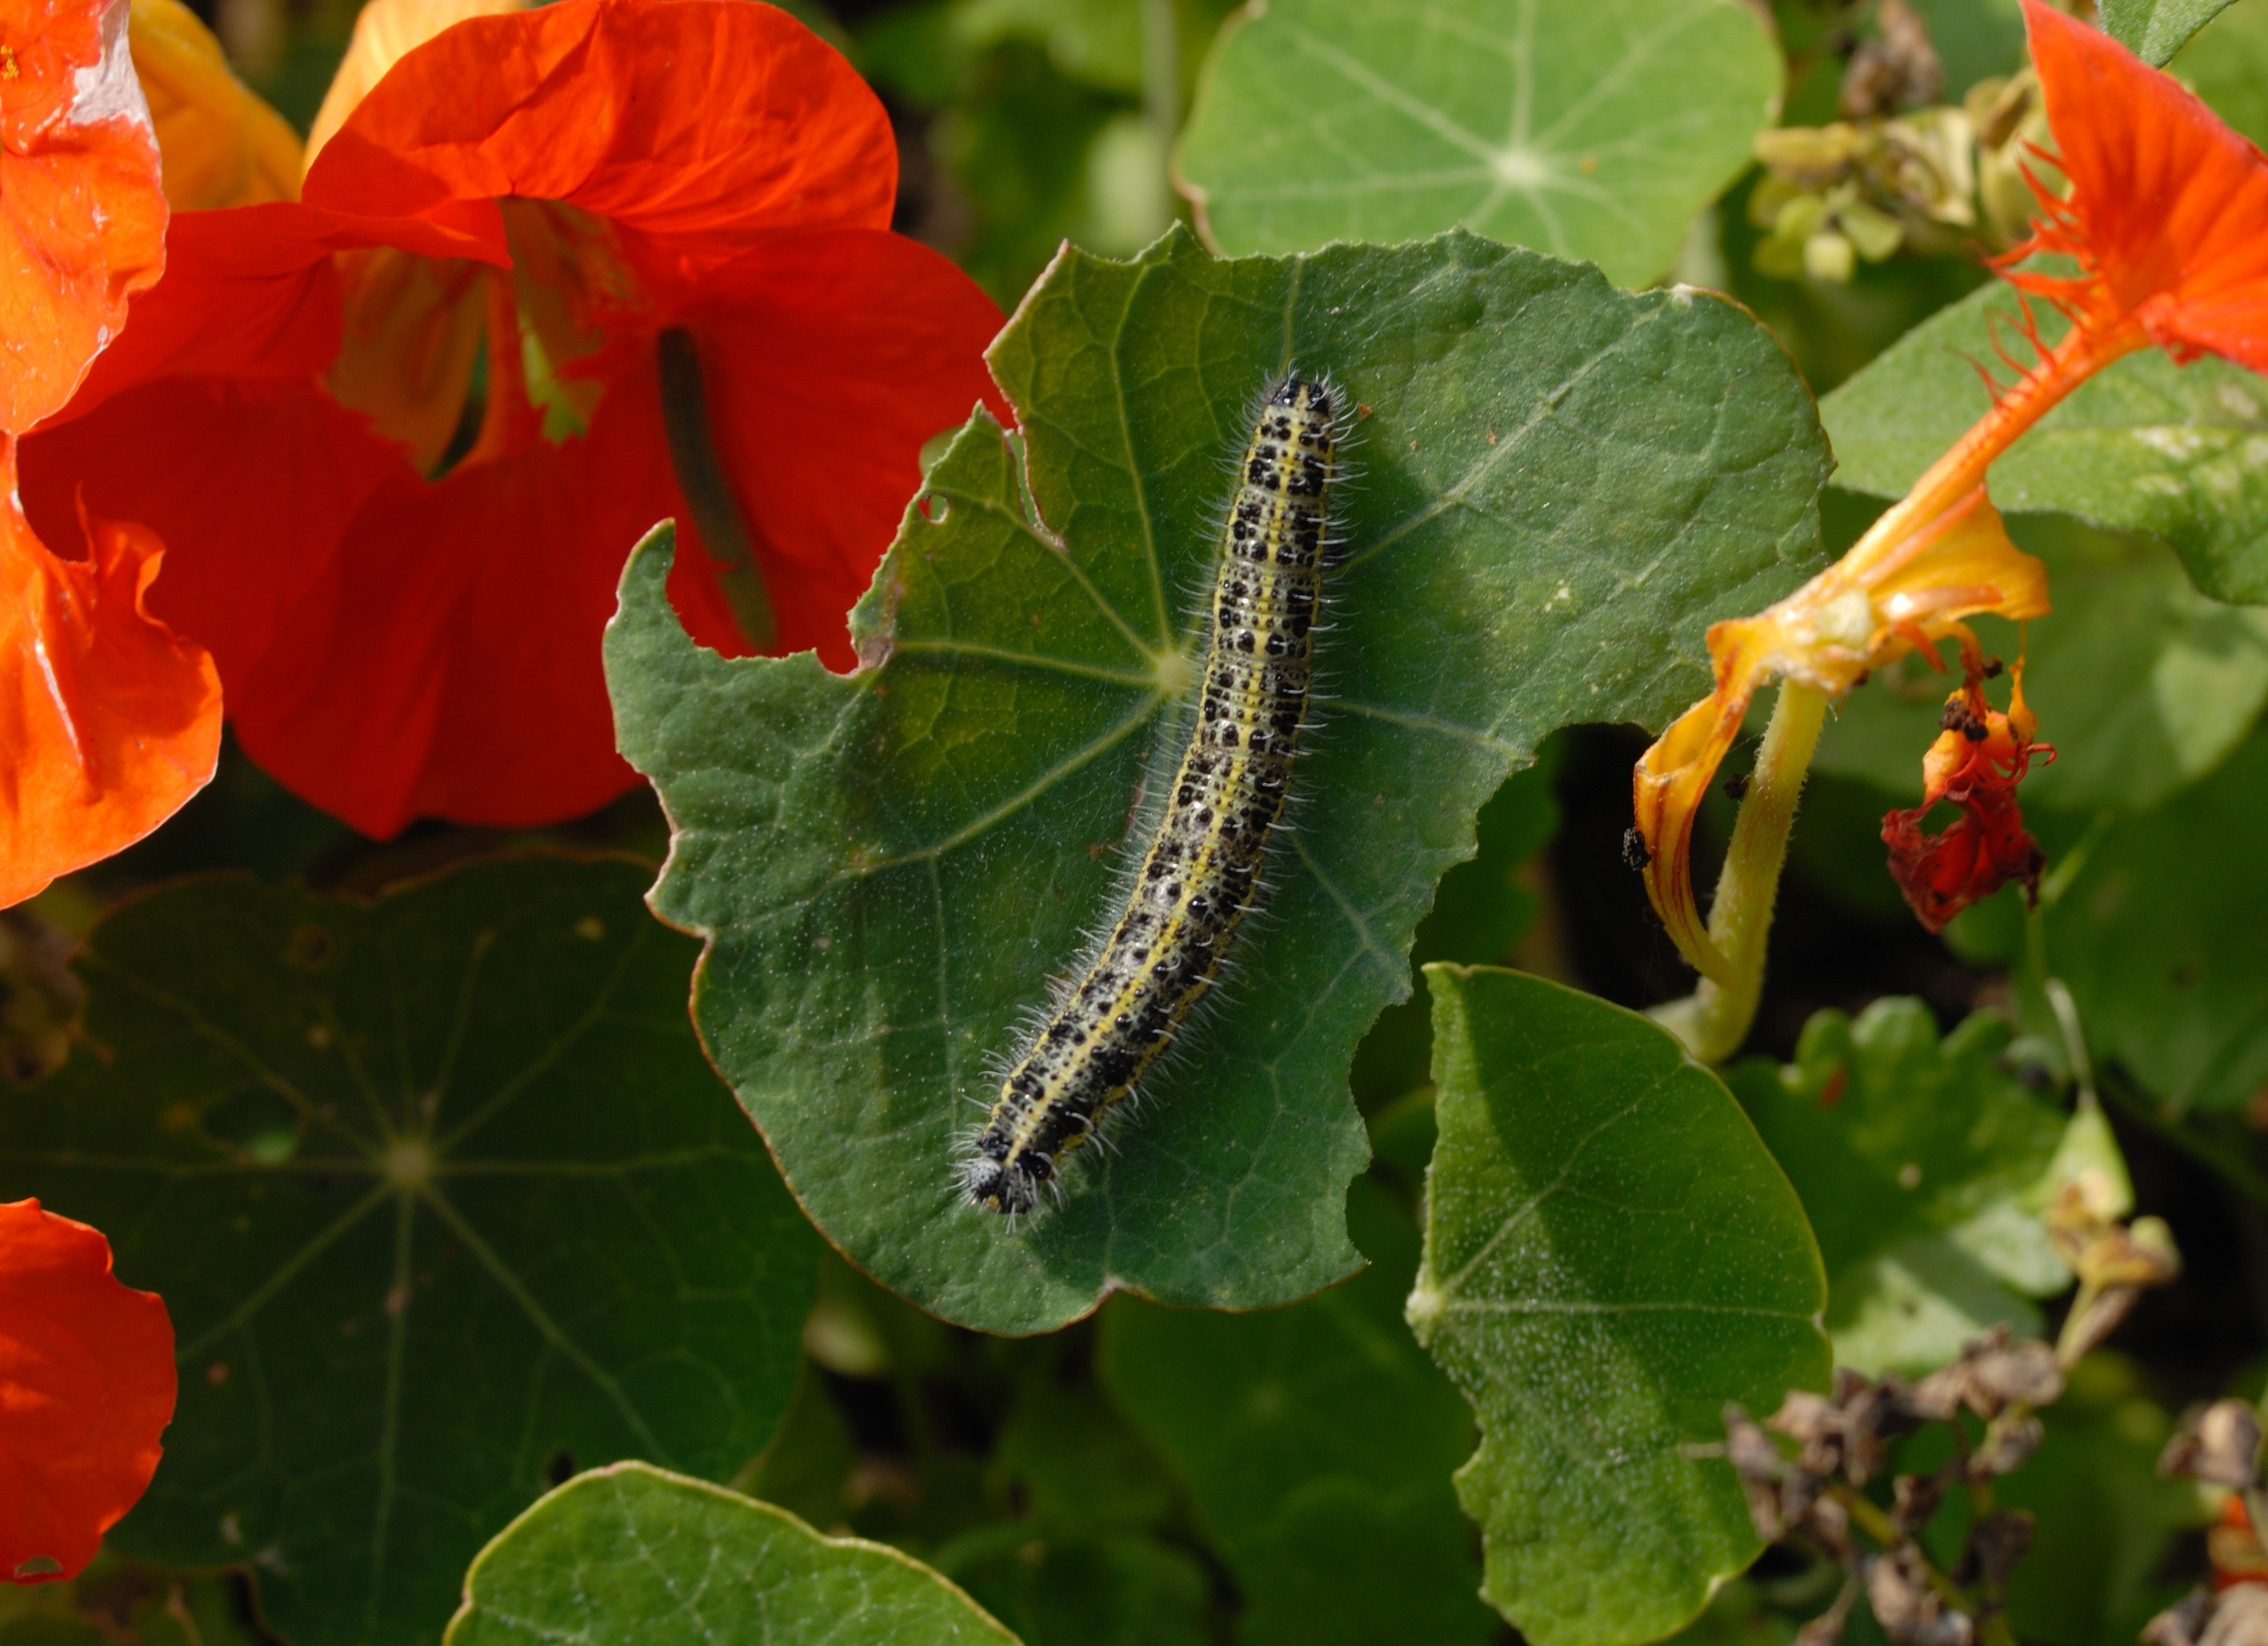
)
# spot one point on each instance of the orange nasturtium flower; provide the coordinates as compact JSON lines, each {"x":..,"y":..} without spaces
{"x":663,"y":228}
{"x":2166,"y":220}
{"x":86,"y":1387}
{"x":108,"y":720}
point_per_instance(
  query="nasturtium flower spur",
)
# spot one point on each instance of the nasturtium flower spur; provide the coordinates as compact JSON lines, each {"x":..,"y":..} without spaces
{"x":108,"y":720}
{"x":554,"y":275}
{"x":2166,"y":220}
{"x":87,"y":1388}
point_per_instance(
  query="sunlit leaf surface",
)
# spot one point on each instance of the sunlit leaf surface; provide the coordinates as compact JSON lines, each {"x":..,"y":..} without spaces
{"x":1559,"y":489}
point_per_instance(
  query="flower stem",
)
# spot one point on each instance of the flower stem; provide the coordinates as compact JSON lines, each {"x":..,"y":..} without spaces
{"x":1715,"y":1021}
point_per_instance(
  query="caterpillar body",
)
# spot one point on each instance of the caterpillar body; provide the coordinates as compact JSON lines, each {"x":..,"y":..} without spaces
{"x":1197,"y":881}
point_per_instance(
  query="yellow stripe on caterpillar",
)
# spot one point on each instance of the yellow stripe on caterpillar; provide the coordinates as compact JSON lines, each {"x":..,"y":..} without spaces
{"x":1199,"y":874}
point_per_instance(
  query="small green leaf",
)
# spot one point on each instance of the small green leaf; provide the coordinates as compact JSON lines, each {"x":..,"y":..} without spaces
{"x":2144,"y":445}
{"x":2142,"y":684}
{"x":1316,"y":1444}
{"x":442,"y":1199}
{"x":1562,"y":485}
{"x":2155,"y":30}
{"x":630,"y":1555}
{"x":2157,"y":936}
{"x":1593,"y":131}
{"x":1611,"y":1255}
{"x":1915,"y":1159}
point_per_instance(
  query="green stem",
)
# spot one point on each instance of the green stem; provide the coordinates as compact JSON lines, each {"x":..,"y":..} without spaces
{"x":2240,"y":1175}
{"x":1714,"y":1021}
{"x":725,"y":532}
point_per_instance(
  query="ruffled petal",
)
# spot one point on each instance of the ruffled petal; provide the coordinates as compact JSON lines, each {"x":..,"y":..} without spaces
{"x":111,"y":720}
{"x":87,"y":1388}
{"x":253,"y":292}
{"x":828,"y":359}
{"x":385,"y":32}
{"x":82,"y":218}
{"x":695,"y":127}
{"x":257,"y":483}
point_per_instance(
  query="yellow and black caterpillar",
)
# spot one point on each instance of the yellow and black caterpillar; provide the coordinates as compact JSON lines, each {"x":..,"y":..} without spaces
{"x":1199,"y":877}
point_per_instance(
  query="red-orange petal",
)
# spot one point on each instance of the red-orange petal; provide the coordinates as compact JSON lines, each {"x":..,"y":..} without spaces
{"x":695,"y":127}
{"x":110,"y":720}
{"x":2169,"y":207}
{"x":829,"y":359}
{"x":82,"y":218}
{"x":87,"y":1388}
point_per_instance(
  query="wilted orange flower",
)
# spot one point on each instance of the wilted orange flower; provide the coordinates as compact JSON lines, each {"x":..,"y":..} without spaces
{"x":1976,"y":763}
{"x":87,"y":1388}
{"x":2167,"y":218}
{"x":108,"y":721}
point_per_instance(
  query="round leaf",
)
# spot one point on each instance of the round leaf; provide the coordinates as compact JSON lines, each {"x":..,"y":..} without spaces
{"x":632,"y":1553}
{"x":443,"y":1201}
{"x":1593,"y":131}
{"x":1610,"y":1255}
{"x":1561,"y":485}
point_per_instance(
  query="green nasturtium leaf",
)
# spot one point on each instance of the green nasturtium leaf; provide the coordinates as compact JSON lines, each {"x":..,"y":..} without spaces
{"x":1316,"y":1444}
{"x":1561,"y":485}
{"x":442,"y":1199}
{"x":1610,"y":1255}
{"x":1592,"y":130}
{"x":1920,"y":1161}
{"x":2143,"y":684}
{"x":2157,"y":935}
{"x":630,"y":1555}
{"x":2155,"y":30}
{"x":2145,"y":445}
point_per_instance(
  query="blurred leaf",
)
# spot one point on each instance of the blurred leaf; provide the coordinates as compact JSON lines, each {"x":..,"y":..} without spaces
{"x":1914,"y":1157}
{"x":2105,"y":1519}
{"x":1591,"y":132}
{"x":1316,"y":1443}
{"x":2157,"y":936}
{"x":631,"y":1554}
{"x":2226,"y":64}
{"x":1098,"y":41}
{"x":1559,"y":494}
{"x":1079,"y":1589}
{"x":2144,"y":445}
{"x":2142,"y":684}
{"x":1016,"y":141}
{"x":442,"y":1199}
{"x":2155,"y":30}
{"x":1974,"y":39}
{"x":1611,"y":1256}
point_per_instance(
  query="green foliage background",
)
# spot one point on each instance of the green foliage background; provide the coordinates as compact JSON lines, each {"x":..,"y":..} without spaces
{"x":1432,"y":1296}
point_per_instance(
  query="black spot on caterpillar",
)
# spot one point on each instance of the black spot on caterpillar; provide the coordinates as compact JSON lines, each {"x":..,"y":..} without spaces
{"x":1199,"y":876}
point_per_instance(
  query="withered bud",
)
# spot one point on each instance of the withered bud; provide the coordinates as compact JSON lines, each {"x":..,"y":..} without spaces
{"x":1992,"y":1374}
{"x":1996,"y":1543}
{"x":2181,"y":1623}
{"x":1914,"y":1498}
{"x":1909,"y":1610}
{"x":1899,"y":71}
{"x":1828,"y":1523}
{"x":2240,"y":1618}
{"x":2219,"y":1444}
{"x":2008,"y":1440}
{"x":2022,"y":1373}
{"x":2097,"y":1320}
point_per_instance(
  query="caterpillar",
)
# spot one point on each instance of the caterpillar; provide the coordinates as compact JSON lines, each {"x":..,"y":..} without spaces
{"x":1198,"y":877}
